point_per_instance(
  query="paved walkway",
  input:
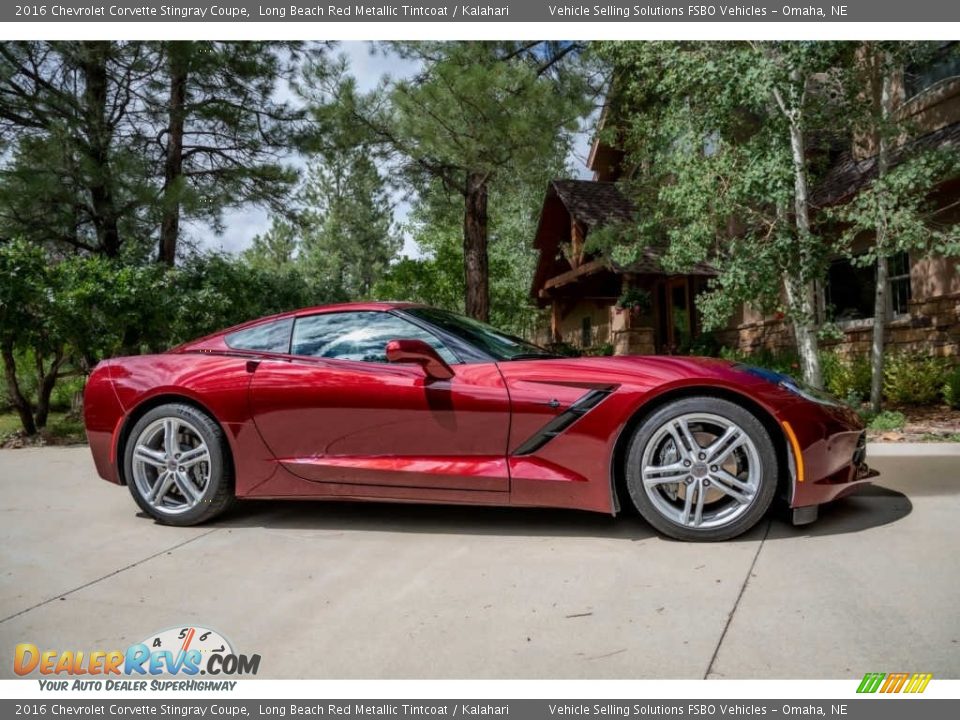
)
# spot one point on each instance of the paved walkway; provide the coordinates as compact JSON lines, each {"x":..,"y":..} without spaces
{"x":383,"y":591}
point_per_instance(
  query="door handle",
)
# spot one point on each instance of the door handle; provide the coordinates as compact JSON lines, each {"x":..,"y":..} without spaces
{"x":252,"y":365}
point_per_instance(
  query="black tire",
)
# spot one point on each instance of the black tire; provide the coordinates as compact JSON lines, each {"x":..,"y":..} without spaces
{"x":216,"y":496}
{"x":748,"y":513}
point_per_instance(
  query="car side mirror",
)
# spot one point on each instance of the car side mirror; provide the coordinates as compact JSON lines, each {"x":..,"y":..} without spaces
{"x":419,"y":353}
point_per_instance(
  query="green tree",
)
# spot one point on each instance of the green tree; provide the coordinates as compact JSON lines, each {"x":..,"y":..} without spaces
{"x":68,"y":119}
{"x":220,"y":131}
{"x":60,"y":318}
{"x":719,"y":135}
{"x":24,"y":306}
{"x":348,"y":234}
{"x":475,"y":112}
{"x":436,"y":276}
{"x":896,"y":207}
{"x":275,"y":250}
{"x":110,"y":146}
{"x":216,"y":291}
{"x":341,"y":236}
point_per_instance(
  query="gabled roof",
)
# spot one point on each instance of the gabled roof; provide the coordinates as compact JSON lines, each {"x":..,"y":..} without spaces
{"x":593,"y":203}
{"x":849,"y":175}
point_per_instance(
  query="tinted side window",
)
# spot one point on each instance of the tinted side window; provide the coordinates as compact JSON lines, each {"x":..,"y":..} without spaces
{"x":359,"y":336}
{"x":266,"y":337}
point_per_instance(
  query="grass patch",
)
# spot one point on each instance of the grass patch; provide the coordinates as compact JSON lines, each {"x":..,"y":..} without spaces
{"x":933,"y":437}
{"x":9,"y":423}
{"x":888,"y":420}
{"x":61,"y":429}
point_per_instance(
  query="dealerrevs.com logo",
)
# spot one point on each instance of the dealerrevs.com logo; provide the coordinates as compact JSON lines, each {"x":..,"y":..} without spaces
{"x":180,"y":651}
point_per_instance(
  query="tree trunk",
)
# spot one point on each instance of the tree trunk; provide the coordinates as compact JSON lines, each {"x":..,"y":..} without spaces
{"x":803,"y":301}
{"x":800,"y":299}
{"x":475,"y":261}
{"x":93,"y":65}
{"x":46,"y":380}
{"x":173,"y":164}
{"x":20,"y":403}
{"x":880,"y":294}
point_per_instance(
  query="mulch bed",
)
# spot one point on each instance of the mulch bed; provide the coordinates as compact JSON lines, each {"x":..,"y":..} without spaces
{"x":17,"y":440}
{"x":924,"y":424}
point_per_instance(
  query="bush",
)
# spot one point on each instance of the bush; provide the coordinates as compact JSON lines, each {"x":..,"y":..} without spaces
{"x":603,"y":350}
{"x":951,"y":388}
{"x":563,"y":348}
{"x":888,"y":420}
{"x":704,"y":345}
{"x":65,"y":392}
{"x":911,"y":378}
{"x":846,"y":378}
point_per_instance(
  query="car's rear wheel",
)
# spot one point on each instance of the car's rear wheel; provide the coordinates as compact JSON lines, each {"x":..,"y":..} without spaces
{"x":177,"y":466}
{"x":701,"y":468}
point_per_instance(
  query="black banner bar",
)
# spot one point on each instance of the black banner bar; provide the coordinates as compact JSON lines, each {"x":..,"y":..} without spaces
{"x":493,"y":11}
{"x":875,"y":708}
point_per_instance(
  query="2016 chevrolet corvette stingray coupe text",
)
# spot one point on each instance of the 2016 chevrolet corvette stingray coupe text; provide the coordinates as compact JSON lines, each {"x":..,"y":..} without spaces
{"x":402,"y":402}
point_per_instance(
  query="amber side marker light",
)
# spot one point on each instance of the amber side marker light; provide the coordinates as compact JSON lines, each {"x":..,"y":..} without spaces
{"x":797,"y":455}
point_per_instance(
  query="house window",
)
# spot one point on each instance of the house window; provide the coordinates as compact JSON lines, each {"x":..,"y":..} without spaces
{"x":586,"y":332}
{"x":898,"y":272}
{"x":851,"y":288}
{"x":944,"y":64}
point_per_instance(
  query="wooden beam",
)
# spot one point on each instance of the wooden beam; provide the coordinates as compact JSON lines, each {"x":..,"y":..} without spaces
{"x":594,"y":266}
{"x":576,"y":243}
{"x":555,"y":321}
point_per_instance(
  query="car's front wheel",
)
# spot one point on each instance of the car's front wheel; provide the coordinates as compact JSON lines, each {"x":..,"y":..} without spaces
{"x":701,"y":468}
{"x":177,"y":466}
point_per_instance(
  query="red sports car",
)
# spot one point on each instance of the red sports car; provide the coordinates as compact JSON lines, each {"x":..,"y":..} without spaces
{"x":403,"y":402}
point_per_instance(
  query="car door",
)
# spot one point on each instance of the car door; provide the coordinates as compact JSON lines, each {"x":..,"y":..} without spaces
{"x":335,"y":410}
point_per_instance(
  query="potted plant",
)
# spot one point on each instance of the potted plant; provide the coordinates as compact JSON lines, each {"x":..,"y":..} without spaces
{"x":636,"y":300}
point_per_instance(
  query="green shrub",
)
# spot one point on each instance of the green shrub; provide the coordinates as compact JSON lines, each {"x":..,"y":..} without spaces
{"x":911,"y":378}
{"x":603,"y":350}
{"x":564,"y":348}
{"x":951,"y":388}
{"x":65,"y":391}
{"x":846,"y":378}
{"x":888,"y":420}
{"x":704,"y":345}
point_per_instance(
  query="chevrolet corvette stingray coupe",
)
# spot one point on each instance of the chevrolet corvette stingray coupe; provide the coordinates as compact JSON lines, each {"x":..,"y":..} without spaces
{"x":408,"y":403}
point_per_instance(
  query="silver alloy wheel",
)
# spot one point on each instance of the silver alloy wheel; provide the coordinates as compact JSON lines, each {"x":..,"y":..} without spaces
{"x":701,"y":470}
{"x":171,"y":465}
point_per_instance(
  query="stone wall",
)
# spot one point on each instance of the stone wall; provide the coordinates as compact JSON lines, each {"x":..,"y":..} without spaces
{"x":933,"y":327}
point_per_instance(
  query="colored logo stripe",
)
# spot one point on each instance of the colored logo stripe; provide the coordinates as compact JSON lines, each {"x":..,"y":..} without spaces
{"x":894,"y":682}
{"x":918,"y":683}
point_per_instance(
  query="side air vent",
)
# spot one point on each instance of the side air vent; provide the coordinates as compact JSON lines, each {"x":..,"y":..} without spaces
{"x":562,"y":421}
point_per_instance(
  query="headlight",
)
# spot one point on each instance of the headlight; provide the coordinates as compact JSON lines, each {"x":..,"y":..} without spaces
{"x":792,"y":385}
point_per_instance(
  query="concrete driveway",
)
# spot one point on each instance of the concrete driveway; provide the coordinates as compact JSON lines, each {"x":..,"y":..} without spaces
{"x":383,"y":591}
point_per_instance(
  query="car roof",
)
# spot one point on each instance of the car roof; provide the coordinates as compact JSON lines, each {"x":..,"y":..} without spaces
{"x":369,"y":306}
{"x":339,"y":307}
{"x":373,"y":305}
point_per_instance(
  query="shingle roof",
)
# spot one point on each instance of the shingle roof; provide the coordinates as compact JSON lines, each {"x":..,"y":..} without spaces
{"x":849,"y":175}
{"x":594,"y":203}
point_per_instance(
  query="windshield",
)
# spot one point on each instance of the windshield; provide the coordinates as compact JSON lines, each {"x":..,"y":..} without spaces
{"x":499,"y":345}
